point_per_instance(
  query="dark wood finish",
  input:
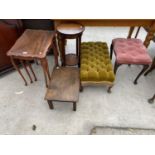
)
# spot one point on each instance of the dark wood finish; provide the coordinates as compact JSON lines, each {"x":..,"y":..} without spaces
{"x":69,"y":31}
{"x":50,"y":104}
{"x":33,"y":44}
{"x":9,"y":33}
{"x":150,"y":23}
{"x":66,"y":88}
{"x":107,"y":22}
{"x":71,"y":59}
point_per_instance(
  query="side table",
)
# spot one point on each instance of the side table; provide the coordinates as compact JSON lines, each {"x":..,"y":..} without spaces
{"x":33,"y":44}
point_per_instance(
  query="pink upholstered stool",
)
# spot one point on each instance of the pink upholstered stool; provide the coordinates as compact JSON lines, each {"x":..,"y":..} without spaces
{"x":130,"y":51}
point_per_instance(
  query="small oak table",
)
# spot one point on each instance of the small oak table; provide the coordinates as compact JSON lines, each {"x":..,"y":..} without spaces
{"x":33,"y":44}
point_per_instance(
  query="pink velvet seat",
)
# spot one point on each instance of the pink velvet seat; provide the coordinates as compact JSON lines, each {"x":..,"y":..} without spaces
{"x":130,"y":51}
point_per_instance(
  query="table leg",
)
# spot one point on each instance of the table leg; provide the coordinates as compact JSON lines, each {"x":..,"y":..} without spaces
{"x":55,"y":51}
{"x":25,"y":67}
{"x":16,"y":67}
{"x":30,"y":67}
{"x":130,"y":32}
{"x":150,"y":35}
{"x":44,"y":64}
{"x":79,"y":55}
{"x":63,"y":52}
{"x":137,"y":32}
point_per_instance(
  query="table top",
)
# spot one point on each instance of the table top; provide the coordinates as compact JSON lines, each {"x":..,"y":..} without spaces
{"x":70,"y":28}
{"x":32,"y":43}
{"x":64,"y":85}
{"x":107,"y":22}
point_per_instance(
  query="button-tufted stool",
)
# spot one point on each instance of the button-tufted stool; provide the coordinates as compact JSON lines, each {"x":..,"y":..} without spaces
{"x":130,"y":51}
{"x":96,"y":66}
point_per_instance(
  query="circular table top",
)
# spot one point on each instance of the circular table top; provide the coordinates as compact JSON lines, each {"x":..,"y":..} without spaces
{"x":70,"y":28}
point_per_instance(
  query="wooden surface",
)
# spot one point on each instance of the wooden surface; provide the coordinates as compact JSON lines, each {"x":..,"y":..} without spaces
{"x":71,"y":59}
{"x":150,"y":23}
{"x":64,"y":85}
{"x":70,"y":29}
{"x":8,"y":35}
{"x":107,"y":22}
{"x":33,"y":44}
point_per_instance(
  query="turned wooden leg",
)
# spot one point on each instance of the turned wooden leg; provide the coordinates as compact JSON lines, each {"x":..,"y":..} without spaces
{"x":81,"y":87}
{"x":151,"y":68}
{"x":116,"y":67}
{"x":55,"y":51}
{"x":50,"y":104}
{"x":109,"y":89}
{"x":150,"y":35}
{"x":45,"y":70}
{"x":151,"y":100}
{"x":79,"y":44}
{"x":130,"y":32}
{"x":142,"y":71}
{"x":111,"y":51}
{"x":25,"y":67}
{"x":137,"y":32}
{"x":74,"y":106}
{"x":30,"y":67}
{"x":16,"y":67}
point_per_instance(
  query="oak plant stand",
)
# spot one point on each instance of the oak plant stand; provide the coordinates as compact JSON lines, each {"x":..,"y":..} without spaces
{"x":69,"y":31}
{"x":33,"y":44}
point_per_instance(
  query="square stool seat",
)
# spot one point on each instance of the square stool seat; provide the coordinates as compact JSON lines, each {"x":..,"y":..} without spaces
{"x":130,"y":51}
{"x":64,"y":86}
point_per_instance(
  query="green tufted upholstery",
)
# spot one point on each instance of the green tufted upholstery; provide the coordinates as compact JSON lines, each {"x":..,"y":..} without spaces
{"x":95,"y":63}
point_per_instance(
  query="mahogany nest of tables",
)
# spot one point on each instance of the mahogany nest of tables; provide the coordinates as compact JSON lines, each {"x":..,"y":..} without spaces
{"x":33,"y":44}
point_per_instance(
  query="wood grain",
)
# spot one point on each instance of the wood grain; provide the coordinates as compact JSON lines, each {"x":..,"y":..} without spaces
{"x":64,"y":85}
{"x":33,"y":44}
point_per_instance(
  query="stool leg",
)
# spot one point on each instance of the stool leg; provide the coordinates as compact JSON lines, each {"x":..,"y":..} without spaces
{"x":81,"y":87}
{"x":151,"y":100}
{"x":16,"y":67}
{"x":30,"y":67}
{"x":142,"y":71}
{"x":50,"y":104}
{"x":109,"y":89}
{"x":74,"y":106}
{"x":151,"y":68}
{"x":111,"y":51}
{"x":25,"y":67}
{"x":116,"y":67}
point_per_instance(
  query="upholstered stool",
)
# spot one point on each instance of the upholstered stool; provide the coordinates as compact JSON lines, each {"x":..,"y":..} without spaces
{"x":130,"y":51}
{"x":96,"y":66}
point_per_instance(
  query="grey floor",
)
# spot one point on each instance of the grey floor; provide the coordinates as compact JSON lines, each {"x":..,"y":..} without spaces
{"x":22,"y":107}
